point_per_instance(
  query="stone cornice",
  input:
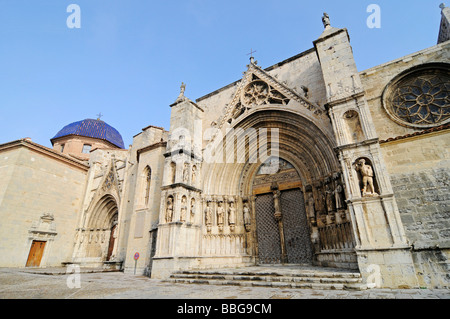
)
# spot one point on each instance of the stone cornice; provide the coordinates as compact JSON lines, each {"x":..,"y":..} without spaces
{"x":149,"y":148}
{"x":437,"y":129}
{"x":46,"y":152}
{"x":180,"y":101}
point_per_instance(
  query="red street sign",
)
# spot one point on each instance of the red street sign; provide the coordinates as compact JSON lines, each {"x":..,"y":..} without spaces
{"x":136,"y":256}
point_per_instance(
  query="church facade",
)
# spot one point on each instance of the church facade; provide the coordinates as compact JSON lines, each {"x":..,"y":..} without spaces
{"x":308,"y":161}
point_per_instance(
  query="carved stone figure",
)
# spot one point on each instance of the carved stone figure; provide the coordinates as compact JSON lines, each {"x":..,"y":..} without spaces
{"x":192,"y":209}
{"x":339,"y":196}
{"x":311,"y":209}
{"x":232,"y":216}
{"x":326,"y":20}
{"x":220,"y":215}
{"x":183,"y":209}
{"x":367,"y":178}
{"x":276,"y":202}
{"x":208,"y":216}
{"x":237,"y":111}
{"x":247,"y":217}
{"x":186,"y":173}
{"x":182,"y":89}
{"x":194,"y":175}
{"x":169,"y":209}
{"x":330,"y":199}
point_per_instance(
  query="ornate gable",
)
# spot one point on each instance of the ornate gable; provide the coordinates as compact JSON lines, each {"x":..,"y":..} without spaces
{"x":109,"y":184}
{"x":259,"y":88}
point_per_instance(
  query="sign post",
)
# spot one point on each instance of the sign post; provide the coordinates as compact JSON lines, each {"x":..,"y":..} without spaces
{"x":136,"y":257}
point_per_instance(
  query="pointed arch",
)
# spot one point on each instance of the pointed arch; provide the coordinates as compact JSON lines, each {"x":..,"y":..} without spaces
{"x":307,"y":147}
{"x":103,"y":213}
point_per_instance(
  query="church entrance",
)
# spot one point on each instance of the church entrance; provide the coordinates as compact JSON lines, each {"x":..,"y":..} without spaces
{"x":282,"y":230}
{"x":36,"y":252}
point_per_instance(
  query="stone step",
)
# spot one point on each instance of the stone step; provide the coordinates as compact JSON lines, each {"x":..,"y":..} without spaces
{"x":307,"y":279}
{"x":300,"y":273}
{"x":280,"y":284}
{"x":282,"y":278}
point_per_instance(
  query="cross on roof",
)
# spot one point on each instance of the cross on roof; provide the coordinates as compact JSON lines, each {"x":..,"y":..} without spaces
{"x":251,"y":53}
{"x":99,"y":116}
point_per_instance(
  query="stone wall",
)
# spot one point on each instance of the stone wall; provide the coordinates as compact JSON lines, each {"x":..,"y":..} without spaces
{"x":41,"y":201}
{"x":376,"y":79}
{"x":420,"y":175}
{"x":140,"y":217}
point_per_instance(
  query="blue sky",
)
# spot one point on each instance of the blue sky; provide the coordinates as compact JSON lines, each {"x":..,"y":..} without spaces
{"x":129,"y":57}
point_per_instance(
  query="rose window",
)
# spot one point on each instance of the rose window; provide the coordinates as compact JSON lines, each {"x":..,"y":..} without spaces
{"x":256,"y":93}
{"x":259,"y":92}
{"x":421,"y":98}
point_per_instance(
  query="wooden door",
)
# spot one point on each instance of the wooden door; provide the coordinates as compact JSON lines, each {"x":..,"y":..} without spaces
{"x":36,"y":252}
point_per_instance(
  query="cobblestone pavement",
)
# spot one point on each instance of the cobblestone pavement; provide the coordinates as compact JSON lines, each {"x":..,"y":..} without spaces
{"x":26,"y":284}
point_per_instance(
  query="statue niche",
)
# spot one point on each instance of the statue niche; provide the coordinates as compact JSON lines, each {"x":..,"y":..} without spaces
{"x":169,"y":209}
{"x":232,"y":215}
{"x":220,"y":215}
{"x":208,"y":215}
{"x":354,"y":132}
{"x":183,"y":209}
{"x":368,"y":185}
{"x":247,"y":216}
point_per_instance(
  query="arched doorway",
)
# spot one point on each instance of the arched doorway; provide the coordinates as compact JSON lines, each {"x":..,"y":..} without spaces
{"x":309,"y":146}
{"x":282,"y":230}
{"x":97,"y":239}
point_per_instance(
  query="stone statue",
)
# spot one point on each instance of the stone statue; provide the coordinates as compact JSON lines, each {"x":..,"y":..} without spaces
{"x":194,"y":174}
{"x":329,"y":199}
{"x":367,"y":177}
{"x":326,"y":20}
{"x":169,"y":209}
{"x":232,"y":216}
{"x":208,"y":215}
{"x":220,"y":215}
{"x":185,"y":173}
{"x":276,"y":203}
{"x":247,"y":217}
{"x":311,"y":209}
{"x":339,"y":196}
{"x":183,"y":209}
{"x":192,"y":208}
{"x":182,"y":89}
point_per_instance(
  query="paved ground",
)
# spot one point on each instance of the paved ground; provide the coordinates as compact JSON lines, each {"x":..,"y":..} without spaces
{"x":56,"y":284}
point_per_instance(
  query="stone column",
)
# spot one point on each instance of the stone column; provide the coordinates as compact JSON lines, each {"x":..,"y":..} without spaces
{"x":382,"y":247}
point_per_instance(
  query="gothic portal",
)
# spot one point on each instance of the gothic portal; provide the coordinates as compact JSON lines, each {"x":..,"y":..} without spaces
{"x":282,"y":230}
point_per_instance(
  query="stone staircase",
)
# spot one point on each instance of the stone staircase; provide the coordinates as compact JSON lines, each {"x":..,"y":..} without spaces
{"x":272,"y":276}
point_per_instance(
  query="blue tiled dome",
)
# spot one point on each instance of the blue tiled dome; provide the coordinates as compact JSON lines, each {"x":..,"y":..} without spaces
{"x":92,"y":128}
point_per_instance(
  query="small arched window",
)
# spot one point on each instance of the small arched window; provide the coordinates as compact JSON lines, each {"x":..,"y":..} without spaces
{"x":147,"y":181}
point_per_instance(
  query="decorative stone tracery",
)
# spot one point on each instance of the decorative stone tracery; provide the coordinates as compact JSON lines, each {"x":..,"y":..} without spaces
{"x":420,"y":98}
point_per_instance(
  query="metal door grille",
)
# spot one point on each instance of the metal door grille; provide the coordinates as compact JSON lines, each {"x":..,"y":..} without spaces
{"x":268,"y":235}
{"x":296,"y":231}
